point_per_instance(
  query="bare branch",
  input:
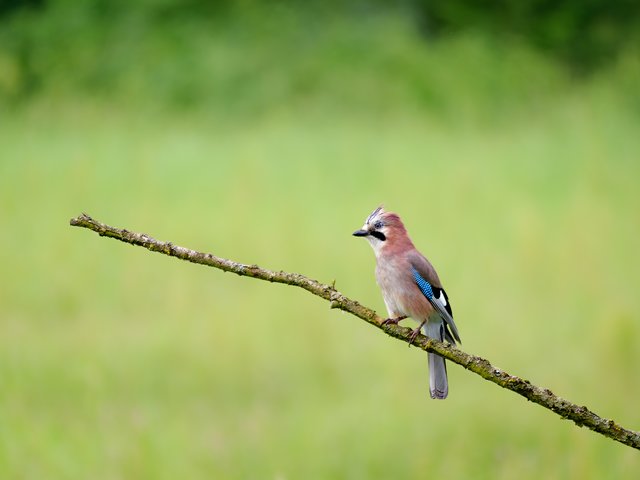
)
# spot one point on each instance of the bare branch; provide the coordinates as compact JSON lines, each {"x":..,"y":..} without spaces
{"x":580,"y":415}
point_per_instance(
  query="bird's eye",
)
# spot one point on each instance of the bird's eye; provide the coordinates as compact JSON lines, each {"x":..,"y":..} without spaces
{"x":378,"y":225}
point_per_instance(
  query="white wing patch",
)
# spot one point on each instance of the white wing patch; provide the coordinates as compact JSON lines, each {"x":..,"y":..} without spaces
{"x":442,"y":300}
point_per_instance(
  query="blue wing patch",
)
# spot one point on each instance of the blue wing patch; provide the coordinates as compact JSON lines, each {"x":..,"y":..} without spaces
{"x":439,"y":303}
{"x":423,"y":285}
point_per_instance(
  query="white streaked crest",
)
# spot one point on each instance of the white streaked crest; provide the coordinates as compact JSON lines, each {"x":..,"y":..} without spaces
{"x":374,"y":214}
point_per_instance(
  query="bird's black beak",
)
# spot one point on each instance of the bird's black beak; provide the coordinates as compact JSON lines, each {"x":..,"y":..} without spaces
{"x":360,"y":233}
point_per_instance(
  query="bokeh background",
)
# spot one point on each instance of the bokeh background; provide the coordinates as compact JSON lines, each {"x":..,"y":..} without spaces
{"x":507,"y":135}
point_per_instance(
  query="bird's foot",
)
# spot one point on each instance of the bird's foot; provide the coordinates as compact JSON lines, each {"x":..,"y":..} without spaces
{"x":414,"y":333}
{"x":394,"y":321}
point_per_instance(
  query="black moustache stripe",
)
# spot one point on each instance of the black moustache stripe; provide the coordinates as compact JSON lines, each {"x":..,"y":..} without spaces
{"x":378,"y":235}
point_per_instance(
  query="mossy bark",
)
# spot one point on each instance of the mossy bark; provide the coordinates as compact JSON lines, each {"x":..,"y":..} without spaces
{"x":580,"y":415}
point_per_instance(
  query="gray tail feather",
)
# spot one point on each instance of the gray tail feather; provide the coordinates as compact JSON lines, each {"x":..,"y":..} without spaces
{"x":438,"y":384}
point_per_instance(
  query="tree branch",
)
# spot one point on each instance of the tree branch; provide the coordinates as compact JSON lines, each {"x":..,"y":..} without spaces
{"x":580,"y":415}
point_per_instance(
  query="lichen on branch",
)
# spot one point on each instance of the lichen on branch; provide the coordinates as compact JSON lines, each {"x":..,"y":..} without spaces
{"x":580,"y":415}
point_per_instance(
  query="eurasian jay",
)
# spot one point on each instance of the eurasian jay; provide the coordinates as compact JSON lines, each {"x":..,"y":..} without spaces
{"x":411,"y":288}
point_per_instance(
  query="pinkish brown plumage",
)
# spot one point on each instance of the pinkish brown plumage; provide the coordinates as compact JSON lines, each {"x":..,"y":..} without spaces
{"x":411,"y":288}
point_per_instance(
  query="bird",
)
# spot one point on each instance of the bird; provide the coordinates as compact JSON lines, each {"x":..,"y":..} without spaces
{"x":411,"y":288}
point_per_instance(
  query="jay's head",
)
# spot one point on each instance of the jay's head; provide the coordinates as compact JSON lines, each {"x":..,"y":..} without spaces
{"x":382,"y":228}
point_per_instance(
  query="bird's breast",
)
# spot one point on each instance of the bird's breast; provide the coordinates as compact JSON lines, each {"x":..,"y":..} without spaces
{"x":401,"y":294}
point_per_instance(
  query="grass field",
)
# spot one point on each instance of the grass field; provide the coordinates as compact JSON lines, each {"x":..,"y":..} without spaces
{"x":116,"y":363}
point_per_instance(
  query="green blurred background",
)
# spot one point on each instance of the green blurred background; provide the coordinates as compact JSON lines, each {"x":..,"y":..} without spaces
{"x":507,"y":135}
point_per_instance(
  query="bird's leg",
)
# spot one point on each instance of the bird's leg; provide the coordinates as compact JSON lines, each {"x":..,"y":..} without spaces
{"x":416,"y":332}
{"x":394,"y":321}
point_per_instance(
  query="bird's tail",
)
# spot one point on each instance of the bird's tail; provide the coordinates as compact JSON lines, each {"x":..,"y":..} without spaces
{"x":438,"y":384}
